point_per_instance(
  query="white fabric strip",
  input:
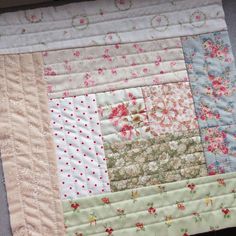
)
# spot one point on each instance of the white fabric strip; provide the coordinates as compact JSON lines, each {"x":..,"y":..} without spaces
{"x":107,"y":22}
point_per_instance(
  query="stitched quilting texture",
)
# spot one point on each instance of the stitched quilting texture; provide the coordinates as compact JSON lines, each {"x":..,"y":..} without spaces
{"x":107,"y":22}
{"x":99,"y":69}
{"x":179,"y":208}
{"x":27,"y":148}
{"x":80,"y":152}
{"x":142,"y":102}
{"x":212,"y":76}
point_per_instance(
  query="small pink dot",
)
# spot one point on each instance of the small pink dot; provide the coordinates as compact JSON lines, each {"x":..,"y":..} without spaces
{"x":96,"y":112}
{"x":70,"y":187}
{"x":59,"y":115}
{"x":65,"y":151}
{"x":90,"y":148}
{"x":75,"y":138}
{"x":82,"y":102}
{"x":90,"y":191}
{"x":79,"y":161}
{"x":63,"y":182}
{"x":82,"y":186}
{"x":92,"y":130}
{"x":68,"y":175}
{"x":73,"y":126}
{"x":93,"y":173}
{"x":64,"y":109}
{"x":61,"y":170}
{"x":63,"y":139}
{"x":65,"y":195}
{"x":88,"y":179}
{"x":86,"y":167}
{"x":70,"y":103}
{"x":91,"y":160}
{"x":86,"y":95}
{"x":77,"y":150}
{"x":72,"y":156}
{"x":68,"y":132}
{"x":74,"y":168}
{"x":57,"y":104}
{"x":61,"y":127}
{"x":51,"y":110}
{"x":71,"y":114}
{"x":97,"y":123}
{"x":86,"y":125}
{"x":81,"y":174}
{"x":102,"y":190}
{"x":108,"y":184}
{"x":83,"y":113}
{"x":78,"y":120}
{"x":85,"y":155}
{"x":96,"y":154}
{"x":59,"y":158}
{"x":95,"y":185}
{"x":77,"y":108}
{"x":88,"y":106}
{"x":54,"y":122}
{"x":87,"y":136}
{"x":70,"y":144}
{"x":93,"y":100}
{"x":80,"y":131}
{"x":67,"y":163}
{"x":94,"y":141}
{"x":58,"y":146}
{"x":77,"y":193}
{"x":101,"y":177}
{"x":66,"y":121}
{"x":82,"y":143}
{"x":76,"y":180}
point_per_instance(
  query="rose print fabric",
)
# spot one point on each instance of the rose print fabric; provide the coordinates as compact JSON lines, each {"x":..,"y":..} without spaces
{"x":106,"y":68}
{"x":170,"y":108}
{"x":152,"y":161}
{"x":104,"y":22}
{"x":177,"y":209}
{"x":79,"y":147}
{"x":212,"y":76}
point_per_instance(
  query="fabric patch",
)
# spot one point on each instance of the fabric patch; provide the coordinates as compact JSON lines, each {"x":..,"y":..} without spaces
{"x":105,"y":68}
{"x":212,"y":76}
{"x":185,"y":207}
{"x":27,"y":148}
{"x":170,"y":108}
{"x":107,"y":22}
{"x":123,"y":115}
{"x":80,"y":153}
{"x":153,"y":161}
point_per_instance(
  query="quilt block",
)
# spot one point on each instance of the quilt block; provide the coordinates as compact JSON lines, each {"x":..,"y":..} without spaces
{"x":118,"y":118}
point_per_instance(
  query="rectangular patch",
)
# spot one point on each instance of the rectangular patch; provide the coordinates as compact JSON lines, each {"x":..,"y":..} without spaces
{"x":80,"y":152}
{"x":212,"y":75}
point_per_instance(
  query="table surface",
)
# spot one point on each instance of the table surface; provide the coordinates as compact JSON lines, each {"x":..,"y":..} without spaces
{"x":230,"y":15}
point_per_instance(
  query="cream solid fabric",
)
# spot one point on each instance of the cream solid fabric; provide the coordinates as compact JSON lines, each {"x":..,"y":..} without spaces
{"x":27,"y":148}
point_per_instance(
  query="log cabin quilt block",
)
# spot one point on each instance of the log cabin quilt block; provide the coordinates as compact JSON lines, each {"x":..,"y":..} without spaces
{"x":118,"y":118}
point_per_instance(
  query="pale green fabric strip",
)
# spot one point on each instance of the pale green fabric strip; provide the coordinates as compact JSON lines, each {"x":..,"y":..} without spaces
{"x":181,"y":208}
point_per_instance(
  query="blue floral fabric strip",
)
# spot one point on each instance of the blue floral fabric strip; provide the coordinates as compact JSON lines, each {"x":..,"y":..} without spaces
{"x":212,"y":75}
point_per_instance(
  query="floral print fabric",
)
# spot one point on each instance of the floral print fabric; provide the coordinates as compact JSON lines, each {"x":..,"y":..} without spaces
{"x":212,"y":76}
{"x":182,"y":208}
{"x":170,"y":108}
{"x":153,"y":161}
{"x":105,"y":68}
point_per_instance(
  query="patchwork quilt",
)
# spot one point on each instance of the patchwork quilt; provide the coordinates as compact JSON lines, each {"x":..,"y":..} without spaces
{"x":118,"y":118}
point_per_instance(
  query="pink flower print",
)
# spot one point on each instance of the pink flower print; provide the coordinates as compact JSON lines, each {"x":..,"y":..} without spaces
{"x":132,"y":98}
{"x":138,"y":48}
{"x":139,"y":226}
{"x":106,"y":55}
{"x":109,"y":230}
{"x":49,"y":71}
{"x":126,"y":131}
{"x":172,"y":63}
{"x":145,"y":70}
{"x":113,"y":71}
{"x":158,"y":61}
{"x":117,"y":45}
{"x":88,"y":81}
{"x":76,"y":53}
{"x":100,"y":71}
{"x":67,"y":67}
{"x":65,"y":93}
{"x":119,"y":111}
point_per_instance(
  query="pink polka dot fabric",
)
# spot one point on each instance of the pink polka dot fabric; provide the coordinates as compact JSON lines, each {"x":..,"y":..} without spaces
{"x":79,"y":146}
